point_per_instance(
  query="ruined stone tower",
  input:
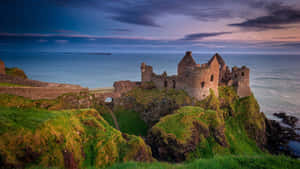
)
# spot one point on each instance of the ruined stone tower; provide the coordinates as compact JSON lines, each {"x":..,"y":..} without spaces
{"x":2,"y":68}
{"x":199,"y":79}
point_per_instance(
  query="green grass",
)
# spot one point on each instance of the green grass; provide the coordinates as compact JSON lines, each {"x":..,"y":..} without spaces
{"x":12,"y":118}
{"x":130,"y":122}
{"x":146,"y":96}
{"x":11,"y":85}
{"x":36,"y":137}
{"x":179,"y":125}
{"x":220,"y":162}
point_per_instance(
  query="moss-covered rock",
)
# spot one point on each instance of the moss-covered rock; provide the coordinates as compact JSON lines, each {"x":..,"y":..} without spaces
{"x":16,"y":72}
{"x":210,"y":102}
{"x":194,"y":132}
{"x":227,"y":100}
{"x":248,"y":112}
{"x":153,"y":103}
{"x":64,"y":139}
{"x":178,"y":134}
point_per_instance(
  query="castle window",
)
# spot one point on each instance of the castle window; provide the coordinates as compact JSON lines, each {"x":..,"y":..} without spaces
{"x":235,"y":75}
{"x":212,"y":78}
{"x":243,"y":74}
{"x":202,"y":84}
{"x":166,"y":84}
{"x":174,"y":84}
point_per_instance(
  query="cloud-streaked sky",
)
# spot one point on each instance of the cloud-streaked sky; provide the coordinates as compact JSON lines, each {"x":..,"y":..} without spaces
{"x":151,"y":25}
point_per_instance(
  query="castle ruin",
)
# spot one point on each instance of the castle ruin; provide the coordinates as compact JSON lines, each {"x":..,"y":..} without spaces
{"x":198,"y":79}
{"x":2,"y":68}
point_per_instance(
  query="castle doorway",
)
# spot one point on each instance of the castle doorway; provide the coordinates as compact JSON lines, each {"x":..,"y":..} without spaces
{"x":108,"y":100}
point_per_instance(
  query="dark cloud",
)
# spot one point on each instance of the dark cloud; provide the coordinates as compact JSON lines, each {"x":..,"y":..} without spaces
{"x":146,"y":12}
{"x":278,"y":16}
{"x":290,"y":45}
{"x":199,"y":36}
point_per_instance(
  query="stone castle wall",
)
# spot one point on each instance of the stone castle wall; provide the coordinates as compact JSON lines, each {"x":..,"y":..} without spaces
{"x":241,"y":81}
{"x":36,"y":93}
{"x":33,"y":83}
{"x":2,"y":68}
{"x":124,"y":87}
{"x":197,"y":80}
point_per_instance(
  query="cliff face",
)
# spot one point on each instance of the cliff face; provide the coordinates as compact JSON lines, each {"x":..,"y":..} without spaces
{"x":193,"y":132}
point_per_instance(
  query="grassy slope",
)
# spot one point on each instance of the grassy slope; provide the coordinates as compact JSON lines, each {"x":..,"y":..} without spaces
{"x":221,"y":162}
{"x":130,"y":122}
{"x":48,"y":138}
{"x":11,"y":85}
{"x":146,"y":96}
{"x":179,"y":124}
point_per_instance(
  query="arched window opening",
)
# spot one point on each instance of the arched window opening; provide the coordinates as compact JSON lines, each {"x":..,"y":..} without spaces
{"x":212,"y":78}
{"x":108,"y":100}
{"x":243,"y":74}
{"x":174,"y":84}
{"x":166,"y":84}
{"x":202,"y":84}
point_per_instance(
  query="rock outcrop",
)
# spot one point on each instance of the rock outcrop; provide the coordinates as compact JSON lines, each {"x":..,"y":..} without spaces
{"x":175,"y":136}
{"x":288,"y":120}
{"x":153,"y":103}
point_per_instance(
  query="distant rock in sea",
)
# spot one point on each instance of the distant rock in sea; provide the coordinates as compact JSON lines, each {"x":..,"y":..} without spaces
{"x":99,"y":53}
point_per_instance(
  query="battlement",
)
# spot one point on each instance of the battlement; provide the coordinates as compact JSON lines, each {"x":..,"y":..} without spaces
{"x":198,"y":79}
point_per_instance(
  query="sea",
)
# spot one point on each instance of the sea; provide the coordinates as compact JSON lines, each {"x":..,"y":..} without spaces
{"x":274,"y":78}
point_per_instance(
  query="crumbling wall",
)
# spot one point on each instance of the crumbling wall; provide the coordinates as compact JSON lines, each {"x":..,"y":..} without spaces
{"x":2,"y":68}
{"x":197,"y":80}
{"x":33,"y":83}
{"x":186,"y":64}
{"x":241,"y":81}
{"x":36,"y":93}
{"x":124,"y":87}
{"x":147,"y":72}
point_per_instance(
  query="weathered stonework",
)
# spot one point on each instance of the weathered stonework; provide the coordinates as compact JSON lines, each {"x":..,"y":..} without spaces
{"x":2,"y":68}
{"x":197,"y":80}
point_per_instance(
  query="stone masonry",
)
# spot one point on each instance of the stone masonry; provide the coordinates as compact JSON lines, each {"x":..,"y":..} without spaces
{"x":198,"y":79}
{"x":2,"y":68}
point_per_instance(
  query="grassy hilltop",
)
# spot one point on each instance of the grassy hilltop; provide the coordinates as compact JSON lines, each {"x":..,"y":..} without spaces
{"x":225,"y":132}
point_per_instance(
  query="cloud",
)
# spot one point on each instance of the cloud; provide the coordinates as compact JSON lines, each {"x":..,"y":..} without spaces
{"x":70,"y":36}
{"x":65,"y":31}
{"x":199,"y":36}
{"x":119,"y":30}
{"x":147,"y":12}
{"x":278,"y":16}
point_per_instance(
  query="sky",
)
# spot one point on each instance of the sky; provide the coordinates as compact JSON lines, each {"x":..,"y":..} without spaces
{"x":234,"y":26}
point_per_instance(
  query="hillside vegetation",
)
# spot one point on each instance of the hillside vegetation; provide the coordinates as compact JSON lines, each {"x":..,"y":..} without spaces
{"x":64,"y":139}
{"x":218,"y":132}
